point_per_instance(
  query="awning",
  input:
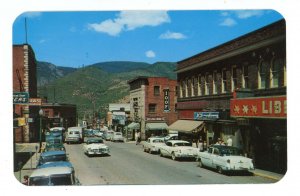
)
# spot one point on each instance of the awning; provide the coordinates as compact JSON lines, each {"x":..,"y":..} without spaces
{"x":156,"y":126}
{"x":134,"y":125}
{"x":186,"y":126}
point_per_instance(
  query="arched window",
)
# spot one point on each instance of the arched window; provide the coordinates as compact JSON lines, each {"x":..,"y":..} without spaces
{"x":276,"y":65}
{"x":262,"y":75}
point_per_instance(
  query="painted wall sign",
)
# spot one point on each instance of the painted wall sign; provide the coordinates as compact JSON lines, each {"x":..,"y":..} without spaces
{"x":206,"y":115}
{"x":166,"y":100}
{"x":260,"y":107}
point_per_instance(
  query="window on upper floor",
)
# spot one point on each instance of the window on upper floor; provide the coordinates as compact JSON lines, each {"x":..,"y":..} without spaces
{"x":207,"y":84}
{"x":262,"y":75}
{"x":245,"y":77}
{"x":193,"y":84}
{"x":215,"y":85}
{"x":276,"y":66}
{"x":199,"y":87}
{"x":156,"y":90}
{"x":224,"y":81}
{"x":233,"y":78}
{"x":152,"y":108}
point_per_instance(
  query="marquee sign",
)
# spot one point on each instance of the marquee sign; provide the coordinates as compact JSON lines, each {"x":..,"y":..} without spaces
{"x":166,"y":100}
{"x":260,"y":107}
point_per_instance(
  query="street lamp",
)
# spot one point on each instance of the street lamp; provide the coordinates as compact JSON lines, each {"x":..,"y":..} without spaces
{"x":41,"y":113}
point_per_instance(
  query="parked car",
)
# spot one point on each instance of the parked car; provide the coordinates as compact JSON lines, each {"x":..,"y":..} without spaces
{"x":52,"y":156}
{"x":53,"y":176}
{"x":87,"y":134}
{"x":152,"y":144}
{"x":224,"y":159}
{"x":178,"y":149}
{"x":74,"y":135}
{"x":98,"y":133}
{"x":95,"y":146}
{"x":57,"y":164}
{"x":58,"y":132}
{"x":117,"y":136}
{"x":108,"y":135}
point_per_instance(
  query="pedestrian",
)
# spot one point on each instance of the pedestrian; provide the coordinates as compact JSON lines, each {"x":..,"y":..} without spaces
{"x":229,"y":141}
{"x":26,"y":180}
{"x":201,"y":145}
{"x":138,"y":137}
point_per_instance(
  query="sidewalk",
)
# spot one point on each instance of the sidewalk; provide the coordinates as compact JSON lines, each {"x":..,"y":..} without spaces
{"x":29,"y":162}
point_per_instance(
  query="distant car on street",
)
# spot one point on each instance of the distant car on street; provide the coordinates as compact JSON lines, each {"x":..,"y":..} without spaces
{"x":117,"y":136}
{"x":95,"y":146}
{"x":74,"y":135}
{"x":152,"y":144}
{"x":224,"y":159}
{"x":178,"y":149}
{"x":108,"y":135}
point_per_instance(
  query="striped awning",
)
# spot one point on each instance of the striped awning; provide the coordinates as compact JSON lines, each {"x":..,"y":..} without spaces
{"x":156,"y":126}
{"x":186,"y":126}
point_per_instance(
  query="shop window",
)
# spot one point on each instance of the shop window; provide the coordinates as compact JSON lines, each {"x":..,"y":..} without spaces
{"x":156,"y":90}
{"x":245,"y":77}
{"x":152,"y":108}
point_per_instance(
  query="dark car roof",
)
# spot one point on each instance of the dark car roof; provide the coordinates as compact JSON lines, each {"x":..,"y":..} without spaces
{"x":56,"y":164}
{"x":56,"y":152}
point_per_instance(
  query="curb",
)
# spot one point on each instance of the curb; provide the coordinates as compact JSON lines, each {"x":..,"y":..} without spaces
{"x":267,"y":176}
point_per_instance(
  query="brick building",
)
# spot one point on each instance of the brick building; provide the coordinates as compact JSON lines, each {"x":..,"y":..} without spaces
{"x":152,"y":105}
{"x":238,"y":90}
{"x":25,"y":81}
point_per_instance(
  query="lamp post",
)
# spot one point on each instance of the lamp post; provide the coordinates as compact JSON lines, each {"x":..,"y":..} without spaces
{"x":41,"y":113}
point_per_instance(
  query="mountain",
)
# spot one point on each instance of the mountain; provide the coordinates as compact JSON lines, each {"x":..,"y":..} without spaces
{"x":93,"y":87}
{"x":47,"y":72}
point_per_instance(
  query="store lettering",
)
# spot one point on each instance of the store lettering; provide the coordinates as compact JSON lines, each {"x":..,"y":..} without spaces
{"x":273,"y":107}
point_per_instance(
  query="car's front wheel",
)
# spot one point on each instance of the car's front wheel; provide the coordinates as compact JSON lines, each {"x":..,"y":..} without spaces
{"x":220,"y":170}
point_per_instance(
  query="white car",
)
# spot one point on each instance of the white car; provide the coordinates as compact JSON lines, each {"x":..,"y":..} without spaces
{"x":95,"y":146}
{"x":224,"y":158}
{"x":178,"y":149}
{"x":152,"y":144}
{"x":117,"y":136}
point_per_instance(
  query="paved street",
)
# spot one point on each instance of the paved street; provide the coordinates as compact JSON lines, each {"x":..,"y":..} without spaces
{"x":128,"y":164}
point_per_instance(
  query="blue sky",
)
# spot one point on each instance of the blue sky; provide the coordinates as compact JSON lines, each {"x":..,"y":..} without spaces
{"x":73,"y":39}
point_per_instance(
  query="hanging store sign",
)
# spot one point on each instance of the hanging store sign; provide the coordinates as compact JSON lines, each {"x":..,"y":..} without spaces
{"x":206,"y":115}
{"x":166,"y":100}
{"x":35,"y":101}
{"x":20,"y":98}
{"x":261,"y":107}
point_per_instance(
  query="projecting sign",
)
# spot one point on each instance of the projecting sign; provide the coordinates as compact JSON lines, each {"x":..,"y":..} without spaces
{"x":206,"y":115}
{"x":166,"y":100}
{"x":20,"y":98}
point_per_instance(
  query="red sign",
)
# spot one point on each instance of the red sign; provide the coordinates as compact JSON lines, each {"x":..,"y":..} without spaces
{"x":262,"y":107}
{"x":35,"y":101}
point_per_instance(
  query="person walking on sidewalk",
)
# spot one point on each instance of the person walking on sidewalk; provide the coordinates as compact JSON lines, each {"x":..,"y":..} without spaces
{"x":25,"y":180}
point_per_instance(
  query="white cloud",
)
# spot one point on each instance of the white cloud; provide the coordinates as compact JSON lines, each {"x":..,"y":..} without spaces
{"x":130,"y":20}
{"x":150,"y":54}
{"x":243,"y":14}
{"x":172,"y":35}
{"x":228,"y":22}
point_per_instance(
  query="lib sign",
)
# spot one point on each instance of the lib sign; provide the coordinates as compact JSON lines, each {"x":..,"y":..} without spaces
{"x":20,"y":98}
{"x":261,"y":107}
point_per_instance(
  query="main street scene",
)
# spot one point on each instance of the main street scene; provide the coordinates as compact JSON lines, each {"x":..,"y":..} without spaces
{"x":149,"y":98}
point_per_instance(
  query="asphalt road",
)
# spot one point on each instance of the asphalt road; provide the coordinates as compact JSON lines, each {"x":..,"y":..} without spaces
{"x":129,"y":165}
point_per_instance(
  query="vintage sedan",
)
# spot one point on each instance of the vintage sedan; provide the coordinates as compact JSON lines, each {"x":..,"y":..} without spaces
{"x":52,"y":156}
{"x":224,"y":159}
{"x":152,"y":144}
{"x":117,"y":136}
{"x":178,"y":149}
{"x":95,"y":146}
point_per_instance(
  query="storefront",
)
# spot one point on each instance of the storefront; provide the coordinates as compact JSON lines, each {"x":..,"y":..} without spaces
{"x":131,"y":129}
{"x":263,"y":121}
{"x":156,"y":129}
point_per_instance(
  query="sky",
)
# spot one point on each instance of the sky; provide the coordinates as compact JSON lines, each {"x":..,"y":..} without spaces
{"x":74,"y":39}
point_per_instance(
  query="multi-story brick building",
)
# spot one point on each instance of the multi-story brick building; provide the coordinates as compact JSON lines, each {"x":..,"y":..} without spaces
{"x":152,"y":105}
{"x":25,"y":81}
{"x":238,"y":90}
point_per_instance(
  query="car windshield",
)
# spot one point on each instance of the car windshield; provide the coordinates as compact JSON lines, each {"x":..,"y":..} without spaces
{"x":230,"y":151}
{"x":158,"y":141}
{"x":74,"y":132}
{"x":62,"y":157}
{"x":94,"y":142}
{"x":182,"y":144}
{"x":62,"y":179}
